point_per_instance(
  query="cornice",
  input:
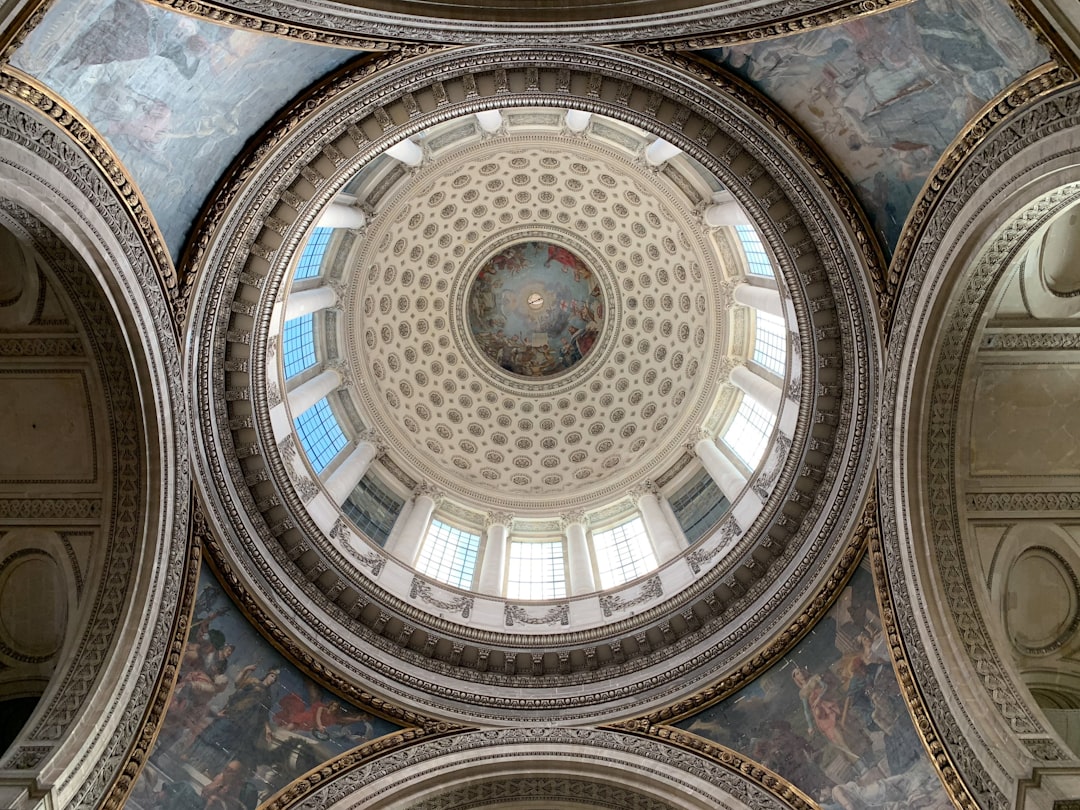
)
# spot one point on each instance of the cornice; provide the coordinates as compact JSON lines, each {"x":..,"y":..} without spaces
{"x":117,"y":794}
{"x":941,"y":719}
{"x":676,"y":760}
{"x":766,"y":779}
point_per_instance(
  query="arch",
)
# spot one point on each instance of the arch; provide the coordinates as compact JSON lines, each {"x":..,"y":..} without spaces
{"x":986,"y":723}
{"x":93,"y":724}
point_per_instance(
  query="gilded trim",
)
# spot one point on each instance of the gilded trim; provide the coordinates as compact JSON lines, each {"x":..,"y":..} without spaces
{"x":12,"y":37}
{"x":25,"y":89}
{"x":784,"y":641}
{"x":841,"y":13}
{"x":262,"y":146}
{"x":116,"y":796}
{"x":750,"y":770}
{"x":300,"y":788}
{"x":1034,"y":19}
{"x":1039,"y":83}
{"x":223,"y":15}
{"x":925,"y":724}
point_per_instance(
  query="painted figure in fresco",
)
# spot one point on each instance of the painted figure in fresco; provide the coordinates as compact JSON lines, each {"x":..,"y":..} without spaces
{"x":827,"y":716}
{"x":569,"y":262}
{"x":316,"y":716}
{"x":786,"y":752}
{"x":242,"y":729}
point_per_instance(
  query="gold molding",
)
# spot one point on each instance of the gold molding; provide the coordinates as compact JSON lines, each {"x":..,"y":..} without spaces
{"x":1040,"y":82}
{"x":117,"y":794}
{"x":311,"y":666}
{"x":925,"y":724}
{"x":27,"y":90}
{"x":782,"y":642}
{"x":1035,"y":21}
{"x":840,"y":13}
{"x":748,"y":769}
{"x":12,"y":37}
{"x":297,"y":790}
{"x":220,"y":14}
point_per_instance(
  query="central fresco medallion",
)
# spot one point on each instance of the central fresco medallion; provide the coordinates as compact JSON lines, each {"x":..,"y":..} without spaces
{"x":535,"y":309}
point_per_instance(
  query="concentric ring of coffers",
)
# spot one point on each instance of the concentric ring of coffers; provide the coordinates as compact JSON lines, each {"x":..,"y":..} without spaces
{"x":376,"y":621}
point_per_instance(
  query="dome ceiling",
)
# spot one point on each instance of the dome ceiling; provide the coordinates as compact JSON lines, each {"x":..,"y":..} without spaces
{"x":663,"y":326}
{"x":562,"y":401}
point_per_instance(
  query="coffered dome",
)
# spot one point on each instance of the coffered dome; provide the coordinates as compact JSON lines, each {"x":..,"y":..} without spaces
{"x":537,"y":389}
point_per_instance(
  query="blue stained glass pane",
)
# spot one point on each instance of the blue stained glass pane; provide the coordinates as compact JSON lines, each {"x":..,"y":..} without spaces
{"x":311,"y":258}
{"x":299,"y":345}
{"x":320,"y":434}
{"x":756,"y":257}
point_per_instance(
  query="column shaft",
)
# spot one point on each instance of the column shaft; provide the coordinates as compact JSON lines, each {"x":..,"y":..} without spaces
{"x":493,"y":567}
{"x":307,"y":394}
{"x":348,"y":474}
{"x":761,"y":390}
{"x":664,"y":541}
{"x":723,"y":472}
{"x":579,"y":560}
{"x":407,"y":543}
{"x":763,"y":298}
{"x":304,"y":302}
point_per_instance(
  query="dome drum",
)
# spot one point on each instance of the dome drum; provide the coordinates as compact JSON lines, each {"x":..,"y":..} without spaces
{"x":354,"y":603}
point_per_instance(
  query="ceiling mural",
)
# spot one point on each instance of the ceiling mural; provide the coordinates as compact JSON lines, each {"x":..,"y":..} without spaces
{"x":535,"y":309}
{"x":830,"y":716}
{"x":885,"y":94}
{"x":243,"y":722}
{"x":174,"y":96}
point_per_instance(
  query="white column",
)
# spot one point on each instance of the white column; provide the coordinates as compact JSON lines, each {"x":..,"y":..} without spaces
{"x":764,"y":298}
{"x":579,"y":555}
{"x":307,"y":394}
{"x":764,"y":392}
{"x":720,"y":468}
{"x":660,"y":151}
{"x":348,"y":474}
{"x":407,"y":542}
{"x":408,"y":152}
{"x":493,"y":567}
{"x":665,"y":542}
{"x":342,"y":215}
{"x":304,"y":302}
{"x":725,"y":213}
{"x":577,"y":120}
{"x":490,"y":120}
{"x":399,"y":525}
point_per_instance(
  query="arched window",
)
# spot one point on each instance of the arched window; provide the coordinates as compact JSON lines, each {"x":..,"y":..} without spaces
{"x":320,"y":434}
{"x":299,"y":345}
{"x":770,"y":342}
{"x":623,"y":553}
{"x":311,"y":259}
{"x":536,"y":571}
{"x":748,"y":434}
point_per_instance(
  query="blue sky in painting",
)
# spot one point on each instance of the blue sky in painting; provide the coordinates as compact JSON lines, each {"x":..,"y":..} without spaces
{"x":886,"y":94}
{"x":174,"y":96}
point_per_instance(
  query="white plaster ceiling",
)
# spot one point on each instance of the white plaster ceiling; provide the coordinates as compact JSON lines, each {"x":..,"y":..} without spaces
{"x":580,"y":438}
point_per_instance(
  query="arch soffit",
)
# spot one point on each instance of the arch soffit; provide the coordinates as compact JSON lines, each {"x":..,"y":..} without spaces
{"x":1004,"y":194}
{"x":147,"y":577}
{"x":469,"y":763}
{"x":264,"y":207}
